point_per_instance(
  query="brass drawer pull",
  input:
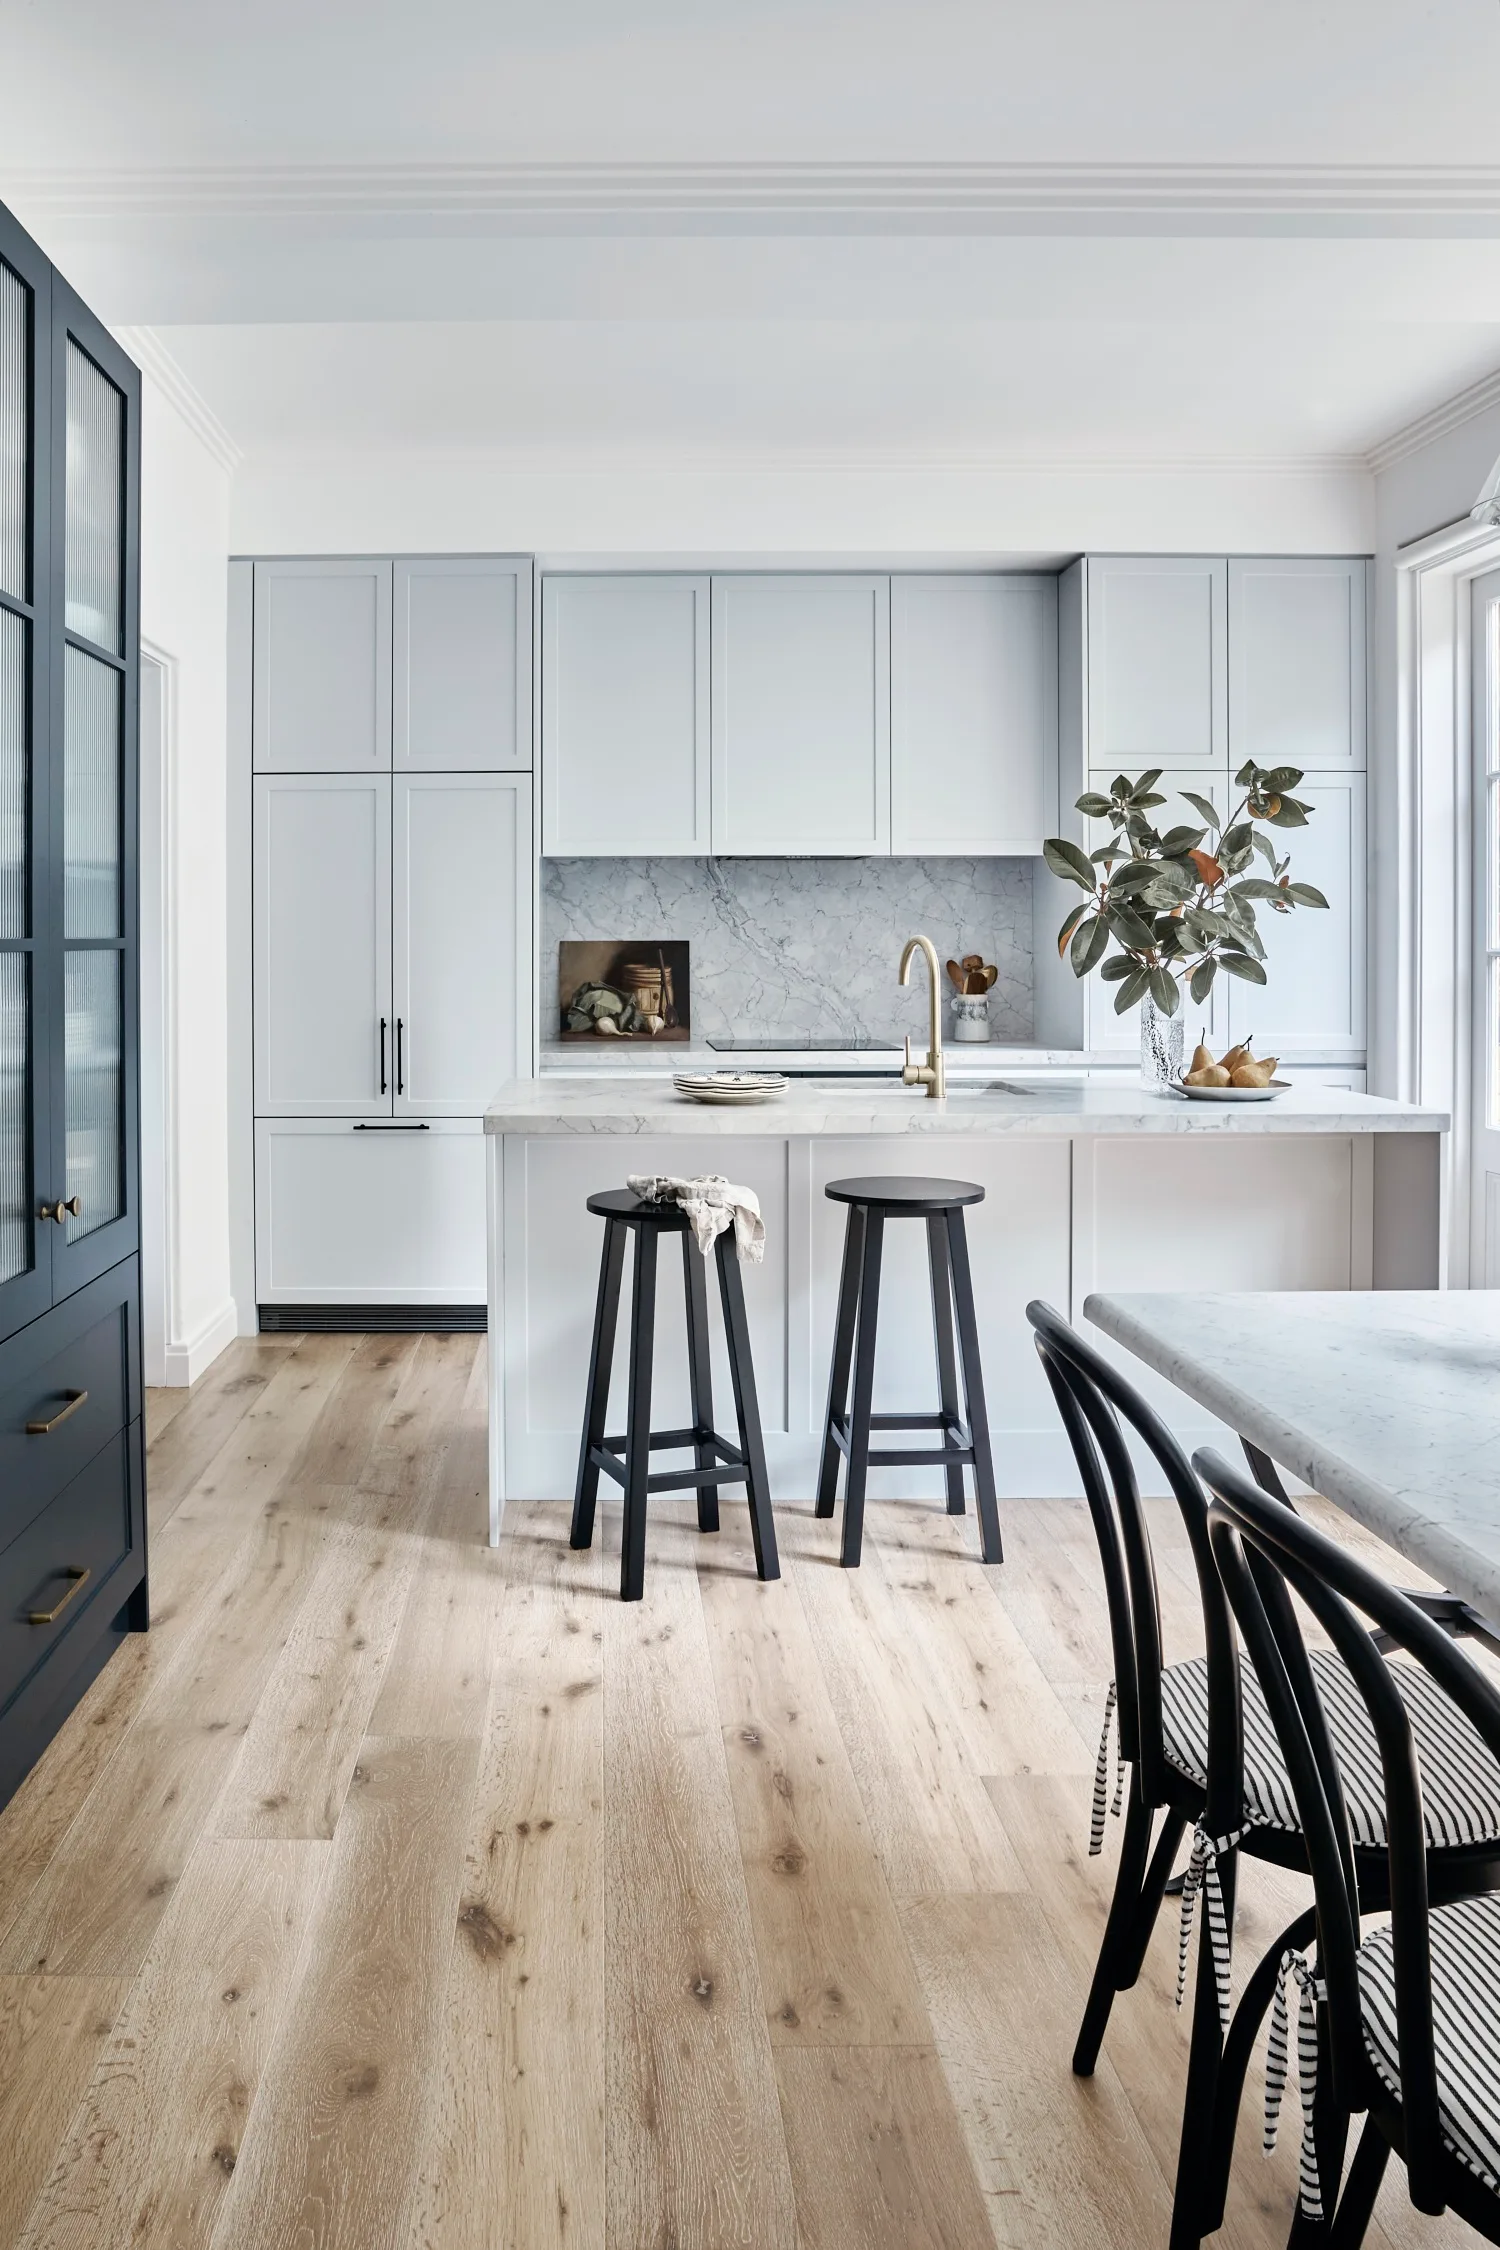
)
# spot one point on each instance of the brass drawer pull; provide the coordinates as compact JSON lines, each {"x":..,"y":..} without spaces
{"x":50,"y":1616}
{"x":61,"y":1210}
{"x":75,"y":1399}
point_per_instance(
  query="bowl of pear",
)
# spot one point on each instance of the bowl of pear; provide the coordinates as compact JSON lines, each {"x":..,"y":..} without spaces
{"x":1237,"y":1076}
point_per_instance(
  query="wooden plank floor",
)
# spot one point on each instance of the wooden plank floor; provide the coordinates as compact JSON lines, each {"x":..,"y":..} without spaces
{"x":397,"y":1894}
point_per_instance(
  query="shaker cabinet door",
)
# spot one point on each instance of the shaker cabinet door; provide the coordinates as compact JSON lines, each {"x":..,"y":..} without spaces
{"x":625,"y":722}
{"x":1297,"y":662}
{"x":1314,"y":995}
{"x":324,"y":1029}
{"x":461,"y":697}
{"x":801,"y":714}
{"x":973,"y":714}
{"x":461,"y":933}
{"x":322,"y":692}
{"x":1156,"y":662}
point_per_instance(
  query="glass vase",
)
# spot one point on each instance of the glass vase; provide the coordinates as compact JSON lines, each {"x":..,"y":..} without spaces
{"x":1161,"y":1047}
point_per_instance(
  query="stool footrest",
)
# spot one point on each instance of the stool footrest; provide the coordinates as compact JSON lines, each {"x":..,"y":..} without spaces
{"x":662,"y":1441}
{"x":610,"y":1457}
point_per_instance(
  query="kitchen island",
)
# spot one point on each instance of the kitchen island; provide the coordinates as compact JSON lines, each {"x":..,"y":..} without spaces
{"x":1091,"y":1184}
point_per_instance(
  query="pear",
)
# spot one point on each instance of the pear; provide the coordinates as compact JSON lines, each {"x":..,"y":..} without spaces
{"x":1253,"y":1073}
{"x":1215,"y":1075}
{"x":1236,"y":1055}
{"x":1202,"y":1060}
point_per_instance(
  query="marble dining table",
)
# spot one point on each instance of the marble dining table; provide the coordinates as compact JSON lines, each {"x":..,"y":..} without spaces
{"x":1386,"y":1401}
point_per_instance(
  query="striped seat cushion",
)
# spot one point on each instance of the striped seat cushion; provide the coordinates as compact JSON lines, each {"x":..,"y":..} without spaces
{"x":1465,"y":2026}
{"x":1460,"y":1779}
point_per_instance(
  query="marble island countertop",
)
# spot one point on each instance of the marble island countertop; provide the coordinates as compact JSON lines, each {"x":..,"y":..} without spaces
{"x":562,"y":1103}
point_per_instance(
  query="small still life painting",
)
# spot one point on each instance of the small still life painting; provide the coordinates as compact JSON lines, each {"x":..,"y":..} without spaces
{"x":623,"y":988}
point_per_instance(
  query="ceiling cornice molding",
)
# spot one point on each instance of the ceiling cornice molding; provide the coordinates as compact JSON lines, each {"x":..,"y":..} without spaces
{"x":153,"y":358}
{"x":558,"y":192}
{"x":552,"y":462}
{"x":1451,"y":415}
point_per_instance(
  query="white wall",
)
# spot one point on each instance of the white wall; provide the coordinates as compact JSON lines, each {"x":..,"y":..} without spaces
{"x":372,"y":503}
{"x":184,"y":554}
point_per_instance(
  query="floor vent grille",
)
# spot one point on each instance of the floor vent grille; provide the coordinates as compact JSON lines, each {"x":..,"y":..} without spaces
{"x":372,"y":1320}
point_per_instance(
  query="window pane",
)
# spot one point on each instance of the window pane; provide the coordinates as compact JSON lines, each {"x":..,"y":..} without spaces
{"x":14,"y":637}
{"x":91,"y":1043}
{"x":15,"y":1197}
{"x":15,"y":416}
{"x":91,"y":798}
{"x":96,"y":437}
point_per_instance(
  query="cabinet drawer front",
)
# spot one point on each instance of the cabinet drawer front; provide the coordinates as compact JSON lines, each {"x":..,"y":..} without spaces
{"x":60,"y":1399}
{"x":43,"y":1586}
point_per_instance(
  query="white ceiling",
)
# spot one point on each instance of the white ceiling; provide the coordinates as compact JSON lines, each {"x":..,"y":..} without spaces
{"x":973,"y":229}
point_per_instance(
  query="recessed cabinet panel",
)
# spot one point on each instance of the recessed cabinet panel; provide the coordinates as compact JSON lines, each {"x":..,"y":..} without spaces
{"x":1157,"y":681}
{"x":1297,"y":662}
{"x":625,"y":716}
{"x":462,"y":679}
{"x":322,"y":667}
{"x":324,"y":1034}
{"x":1314,"y":994}
{"x":973,"y":714}
{"x":388,"y":1215}
{"x":462,"y":938}
{"x":801,"y":711}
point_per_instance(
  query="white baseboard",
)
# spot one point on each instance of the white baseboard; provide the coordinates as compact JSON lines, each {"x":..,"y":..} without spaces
{"x":184,"y":1363}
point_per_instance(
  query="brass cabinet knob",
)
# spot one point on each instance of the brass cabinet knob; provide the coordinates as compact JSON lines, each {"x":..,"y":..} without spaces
{"x":61,"y":1210}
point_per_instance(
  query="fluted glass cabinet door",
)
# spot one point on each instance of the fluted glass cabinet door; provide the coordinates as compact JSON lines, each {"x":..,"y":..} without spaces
{"x":25,"y":597}
{"x":95,"y":505}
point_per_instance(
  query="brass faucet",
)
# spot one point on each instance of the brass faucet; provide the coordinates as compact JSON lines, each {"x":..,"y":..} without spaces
{"x":930,"y":1073}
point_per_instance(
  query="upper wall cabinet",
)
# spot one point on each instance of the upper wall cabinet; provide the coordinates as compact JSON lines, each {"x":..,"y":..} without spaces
{"x":322,"y":667}
{"x":801,"y":714}
{"x":462,"y":664}
{"x":625,"y":717}
{"x":1157,"y":675}
{"x":1297,"y":663}
{"x":973,"y":714}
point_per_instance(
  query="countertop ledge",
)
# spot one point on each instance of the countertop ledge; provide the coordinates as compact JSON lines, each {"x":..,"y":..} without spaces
{"x":564,"y":1104}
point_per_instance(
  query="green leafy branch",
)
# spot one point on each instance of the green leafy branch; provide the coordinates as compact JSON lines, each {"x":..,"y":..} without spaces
{"x":1177,"y":910}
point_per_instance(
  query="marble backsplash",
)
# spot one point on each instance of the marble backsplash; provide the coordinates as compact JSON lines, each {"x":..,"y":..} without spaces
{"x":804,"y":945}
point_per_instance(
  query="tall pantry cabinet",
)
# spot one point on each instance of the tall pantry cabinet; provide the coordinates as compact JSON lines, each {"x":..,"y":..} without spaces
{"x":392,"y":912}
{"x":72,"y":1472}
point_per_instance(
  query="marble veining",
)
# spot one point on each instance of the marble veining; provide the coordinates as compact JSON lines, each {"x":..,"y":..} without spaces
{"x":647,"y":1103}
{"x":804,"y":945}
{"x":1387,"y":1401}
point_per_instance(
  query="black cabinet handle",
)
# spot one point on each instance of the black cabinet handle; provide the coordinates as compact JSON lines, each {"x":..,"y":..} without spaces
{"x":400,"y":1076}
{"x":382,"y":1054}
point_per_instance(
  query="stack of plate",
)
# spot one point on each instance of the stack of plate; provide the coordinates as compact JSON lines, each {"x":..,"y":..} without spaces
{"x":730,"y":1086}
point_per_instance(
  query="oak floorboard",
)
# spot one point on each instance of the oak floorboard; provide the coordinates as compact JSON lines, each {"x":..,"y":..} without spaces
{"x":1062,"y":2161}
{"x":934,"y":1827}
{"x":877,"y":2152}
{"x":437,"y":1680}
{"x":515,"y":2158}
{"x":183,"y":1449}
{"x":334,"y":2138}
{"x":51,"y":2032}
{"x":343,"y":1438}
{"x":834,"y":1966}
{"x":156,"y":2139}
{"x":694,"y":2150}
{"x":164,"y":1402}
{"x":95,"y":1908}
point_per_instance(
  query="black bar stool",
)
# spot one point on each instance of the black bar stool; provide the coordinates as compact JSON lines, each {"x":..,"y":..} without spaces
{"x":966,"y":1434}
{"x":625,"y":1213}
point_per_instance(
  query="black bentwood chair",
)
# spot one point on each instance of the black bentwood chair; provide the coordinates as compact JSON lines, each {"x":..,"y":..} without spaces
{"x":1402,"y":2023}
{"x":1202,"y":1752}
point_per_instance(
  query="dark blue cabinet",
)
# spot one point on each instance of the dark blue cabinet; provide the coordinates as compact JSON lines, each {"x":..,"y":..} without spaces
{"x":72,"y":1488}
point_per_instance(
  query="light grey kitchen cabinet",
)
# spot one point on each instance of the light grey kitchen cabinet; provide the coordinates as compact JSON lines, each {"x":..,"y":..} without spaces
{"x":324,"y":1024}
{"x":1314,"y":995}
{"x":322,"y":689}
{"x":1297,"y":661}
{"x":461,"y":698}
{"x":354,"y":1214}
{"x":801,"y":714}
{"x":461,"y":939}
{"x":1157,"y":671}
{"x":625,"y":715}
{"x":973,"y":713}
